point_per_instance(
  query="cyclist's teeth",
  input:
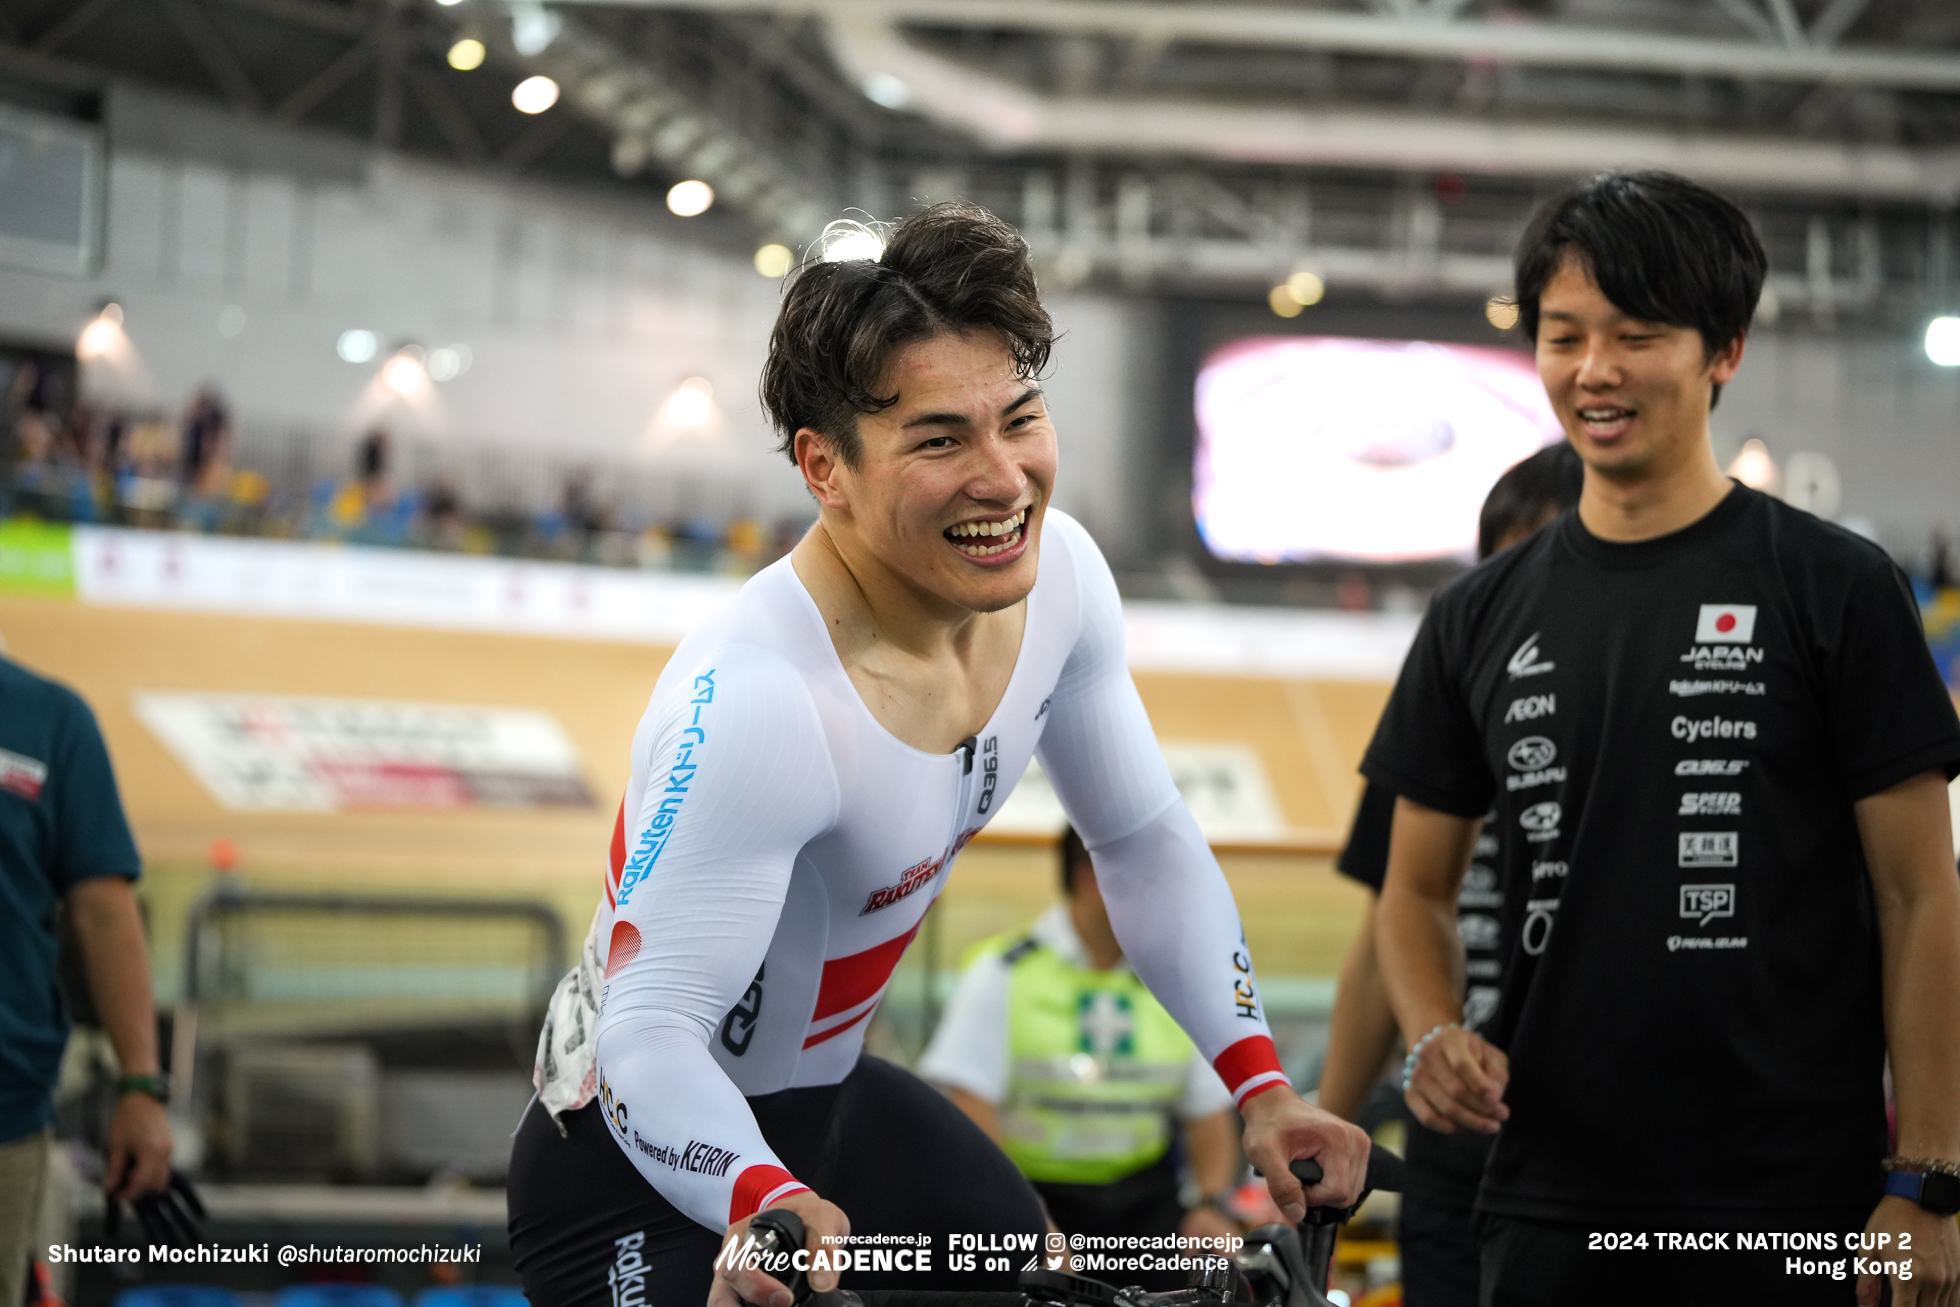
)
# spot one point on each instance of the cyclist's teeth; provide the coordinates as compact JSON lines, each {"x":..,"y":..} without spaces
{"x":1007,"y":531}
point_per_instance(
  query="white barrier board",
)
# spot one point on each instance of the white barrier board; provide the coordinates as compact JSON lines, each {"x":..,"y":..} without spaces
{"x":288,"y":753}
{"x":401,"y":587}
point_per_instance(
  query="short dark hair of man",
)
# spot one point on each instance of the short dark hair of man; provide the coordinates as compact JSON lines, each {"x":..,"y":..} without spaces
{"x":1660,"y":247}
{"x":1074,"y":855}
{"x":949,"y":267}
{"x":1532,"y":493}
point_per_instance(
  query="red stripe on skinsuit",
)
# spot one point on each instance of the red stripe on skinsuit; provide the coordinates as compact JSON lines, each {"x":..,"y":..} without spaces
{"x":849,"y":981}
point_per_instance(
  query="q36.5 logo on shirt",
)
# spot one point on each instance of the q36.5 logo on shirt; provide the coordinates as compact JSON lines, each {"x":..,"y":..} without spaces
{"x":1526,"y":662}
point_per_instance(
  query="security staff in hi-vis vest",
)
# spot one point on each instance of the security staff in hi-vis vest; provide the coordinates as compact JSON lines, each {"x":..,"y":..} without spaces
{"x":1054,"y":1048}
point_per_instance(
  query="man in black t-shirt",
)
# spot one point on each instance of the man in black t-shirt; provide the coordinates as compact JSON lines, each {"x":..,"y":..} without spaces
{"x":1437,"y":1244}
{"x":1713,"y":736}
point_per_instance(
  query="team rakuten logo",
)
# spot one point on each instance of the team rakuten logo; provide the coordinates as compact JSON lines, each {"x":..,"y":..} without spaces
{"x":1711,"y":728}
{"x":909,"y":883}
{"x":915,"y":877}
{"x":1710,"y":766}
{"x":1531,"y":707}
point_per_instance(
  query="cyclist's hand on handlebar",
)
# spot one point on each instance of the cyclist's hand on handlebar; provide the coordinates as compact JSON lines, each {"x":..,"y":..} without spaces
{"x":1279,"y":1128}
{"x":1934,"y":1256}
{"x":1459,"y":1083}
{"x":732,"y":1288}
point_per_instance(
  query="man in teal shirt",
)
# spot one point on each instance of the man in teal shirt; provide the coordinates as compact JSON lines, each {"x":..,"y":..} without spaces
{"x":64,"y":844}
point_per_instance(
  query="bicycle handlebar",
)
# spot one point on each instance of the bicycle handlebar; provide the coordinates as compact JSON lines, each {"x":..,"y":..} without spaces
{"x":1284,"y":1266}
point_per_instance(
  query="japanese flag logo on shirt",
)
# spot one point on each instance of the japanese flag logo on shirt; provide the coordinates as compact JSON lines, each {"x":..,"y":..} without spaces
{"x":1726,"y":624}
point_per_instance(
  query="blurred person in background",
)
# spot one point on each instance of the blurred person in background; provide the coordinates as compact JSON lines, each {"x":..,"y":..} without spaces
{"x":1438,"y":1243}
{"x":65,"y":847}
{"x":206,"y":436}
{"x":1056,"y":1050}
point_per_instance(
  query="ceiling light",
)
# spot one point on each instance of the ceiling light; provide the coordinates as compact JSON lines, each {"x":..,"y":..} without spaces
{"x":1282,"y":302}
{"x":534,"y":94}
{"x":533,"y":28}
{"x":1501,"y":311}
{"x":102,"y":335}
{"x":690,"y":199}
{"x":1306,"y":288}
{"x":466,"y":55}
{"x":231,"y":321}
{"x":887,"y":90}
{"x":1753,"y":466}
{"x":691,"y":404}
{"x":1943,"y":341}
{"x":404,"y":373}
{"x":357,"y":346}
{"x":448,"y":362}
{"x":774,"y":260}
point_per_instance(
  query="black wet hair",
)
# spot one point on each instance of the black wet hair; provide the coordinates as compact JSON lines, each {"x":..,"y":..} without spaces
{"x":1660,"y":247}
{"x":1530,"y":494}
{"x":1074,"y":854}
{"x":949,"y":267}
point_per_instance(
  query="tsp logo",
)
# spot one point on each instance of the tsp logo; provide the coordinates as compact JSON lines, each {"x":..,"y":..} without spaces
{"x":1707,"y":902}
{"x":1532,"y":753}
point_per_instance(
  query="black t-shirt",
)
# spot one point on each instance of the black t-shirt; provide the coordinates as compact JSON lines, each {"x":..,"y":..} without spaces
{"x":1443,"y":1168}
{"x":1672,"y":734}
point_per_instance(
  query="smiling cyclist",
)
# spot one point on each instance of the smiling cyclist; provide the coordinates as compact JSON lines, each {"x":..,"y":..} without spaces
{"x":810,"y":764}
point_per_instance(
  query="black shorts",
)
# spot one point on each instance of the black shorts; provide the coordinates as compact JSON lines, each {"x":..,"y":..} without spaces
{"x":1439,"y":1254}
{"x":1144,"y":1202}
{"x":587,"y":1230}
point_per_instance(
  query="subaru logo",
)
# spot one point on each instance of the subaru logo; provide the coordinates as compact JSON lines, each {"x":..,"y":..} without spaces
{"x":1532,"y":753}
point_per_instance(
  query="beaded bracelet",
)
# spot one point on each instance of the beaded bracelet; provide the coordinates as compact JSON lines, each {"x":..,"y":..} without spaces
{"x":1935,"y":1164}
{"x":1415,"y":1054}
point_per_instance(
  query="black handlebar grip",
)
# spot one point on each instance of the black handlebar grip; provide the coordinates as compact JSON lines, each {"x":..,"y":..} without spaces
{"x":1384,"y":1171}
{"x":786,"y":1227}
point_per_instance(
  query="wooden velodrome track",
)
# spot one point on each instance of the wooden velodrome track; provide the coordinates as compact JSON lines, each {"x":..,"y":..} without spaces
{"x":1299,"y":915}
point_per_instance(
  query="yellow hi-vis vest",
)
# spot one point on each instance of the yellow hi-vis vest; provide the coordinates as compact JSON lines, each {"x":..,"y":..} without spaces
{"x":1098,"y":1067}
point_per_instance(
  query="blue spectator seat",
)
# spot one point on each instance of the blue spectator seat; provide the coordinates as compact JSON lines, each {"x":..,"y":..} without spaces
{"x":472,"y":1295}
{"x":337,"y":1295}
{"x":176,"y":1295}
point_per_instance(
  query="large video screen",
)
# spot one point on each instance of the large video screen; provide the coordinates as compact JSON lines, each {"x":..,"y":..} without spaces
{"x":1325,"y":448}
